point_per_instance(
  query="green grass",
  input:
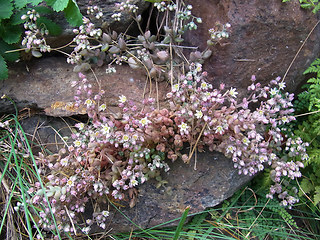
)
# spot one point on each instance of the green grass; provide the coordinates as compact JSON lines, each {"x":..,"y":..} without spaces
{"x":18,"y":171}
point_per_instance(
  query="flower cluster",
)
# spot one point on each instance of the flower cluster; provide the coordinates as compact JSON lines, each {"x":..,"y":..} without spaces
{"x":95,"y":11}
{"x":124,"y":6}
{"x":219,"y":33}
{"x":85,"y":33}
{"x":288,"y":168}
{"x":35,"y":37}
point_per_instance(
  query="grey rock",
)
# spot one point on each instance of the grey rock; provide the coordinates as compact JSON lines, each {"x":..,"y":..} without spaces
{"x":213,"y":181}
{"x":265,"y":38}
{"x":47,"y":86}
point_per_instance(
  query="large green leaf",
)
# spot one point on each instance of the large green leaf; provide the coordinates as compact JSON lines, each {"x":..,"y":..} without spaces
{"x":36,"y":2}
{"x":3,"y":69}
{"x":43,"y":10}
{"x":13,"y":56}
{"x":72,"y":13}
{"x":21,"y":3}
{"x":16,"y":17}
{"x":10,"y":33}
{"x":54,"y":29}
{"x":58,"y":5}
{"x":5,"y":9}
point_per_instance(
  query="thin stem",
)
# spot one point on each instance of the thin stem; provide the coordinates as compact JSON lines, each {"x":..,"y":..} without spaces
{"x":302,"y":45}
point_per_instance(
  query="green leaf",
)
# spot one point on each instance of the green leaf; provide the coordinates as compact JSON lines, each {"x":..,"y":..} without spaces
{"x":43,"y":10}
{"x":72,"y":13}
{"x":16,"y":18}
{"x":54,"y":29}
{"x":13,"y":56}
{"x":3,"y":69}
{"x":5,"y":9}
{"x":306,"y":185}
{"x":21,"y":3}
{"x":181,"y":222}
{"x":10,"y":33}
{"x":58,"y":5}
{"x":317,"y":195}
{"x":35,"y":2}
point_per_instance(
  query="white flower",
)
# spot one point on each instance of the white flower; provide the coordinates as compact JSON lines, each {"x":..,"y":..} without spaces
{"x":219,"y":129}
{"x":230,"y":149}
{"x":64,"y":161}
{"x":198,"y":114}
{"x":86,"y":230}
{"x":105,"y":129}
{"x":260,"y":167}
{"x":125,"y":138}
{"x":273,"y":91}
{"x":134,"y":182}
{"x":103,"y":107}
{"x":246,"y":141}
{"x":122,"y":99}
{"x":233,"y":92}
{"x":144,"y":121}
{"x":204,"y":85}
{"x":285,"y":119}
{"x":110,"y":70}
{"x":282,"y":85}
{"x":184,"y":128}
{"x":88,"y":102}
{"x":263,"y":158}
{"x":71,"y":181}
{"x":273,"y":156}
{"x":77,"y":143}
{"x":80,"y":126}
{"x":105,"y":213}
{"x":175,"y":88}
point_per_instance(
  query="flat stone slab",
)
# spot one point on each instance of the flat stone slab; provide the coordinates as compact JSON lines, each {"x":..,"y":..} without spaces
{"x":214,"y":181}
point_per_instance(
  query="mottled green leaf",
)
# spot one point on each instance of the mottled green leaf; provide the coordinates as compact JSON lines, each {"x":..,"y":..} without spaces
{"x":21,"y":3}
{"x":54,"y":29}
{"x":12,"y":56}
{"x":16,"y":18}
{"x":3,"y":69}
{"x":43,"y":10}
{"x":36,"y":2}
{"x":5,"y":9}
{"x":10,"y":33}
{"x":72,"y":13}
{"x":58,"y":5}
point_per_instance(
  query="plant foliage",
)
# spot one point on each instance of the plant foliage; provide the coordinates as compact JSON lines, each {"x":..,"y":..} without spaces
{"x":308,"y":4}
{"x":11,"y":29}
{"x":308,"y":128}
